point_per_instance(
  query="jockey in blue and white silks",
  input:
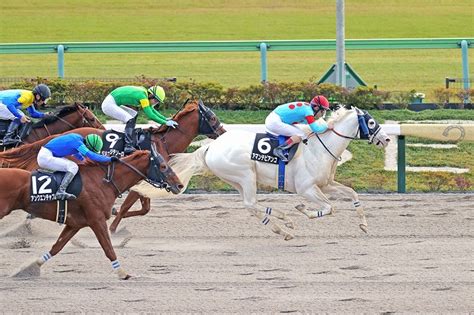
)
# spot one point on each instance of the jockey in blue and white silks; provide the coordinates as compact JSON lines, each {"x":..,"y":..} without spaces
{"x":281,"y":120}
{"x":13,"y":101}
{"x":53,"y":155}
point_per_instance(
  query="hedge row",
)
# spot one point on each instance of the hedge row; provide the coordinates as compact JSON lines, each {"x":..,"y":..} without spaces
{"x":254,"y":97}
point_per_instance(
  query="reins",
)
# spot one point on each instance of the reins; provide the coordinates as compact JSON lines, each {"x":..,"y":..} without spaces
{"x":109,"y":176}
{"x":338,"y":134}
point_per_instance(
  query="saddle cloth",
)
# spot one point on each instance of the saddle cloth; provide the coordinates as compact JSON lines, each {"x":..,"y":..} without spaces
{"x":263,"y":148}
{"x":114,"y":142}
{"x":44,"y":185}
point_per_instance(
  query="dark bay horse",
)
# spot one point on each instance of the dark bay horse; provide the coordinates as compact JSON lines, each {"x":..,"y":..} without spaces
{"x":93,"y":206}
{"x":67,"y":118}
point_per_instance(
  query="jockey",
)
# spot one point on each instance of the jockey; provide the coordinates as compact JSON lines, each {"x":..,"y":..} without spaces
{"x":280,"y":121}
{"x":115,"y":106}
{"x":11,"y":103}
{"x":53,"y":155}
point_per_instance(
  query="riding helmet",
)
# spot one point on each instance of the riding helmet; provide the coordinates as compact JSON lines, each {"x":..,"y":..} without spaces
{"x":320,"y":101}
{"x":158,"y":92}
{"x":94,"y":142}
{"x":43,"y":91}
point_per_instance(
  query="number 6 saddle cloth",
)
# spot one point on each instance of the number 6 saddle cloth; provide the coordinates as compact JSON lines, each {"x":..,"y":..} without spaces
{"x":263,"y":148}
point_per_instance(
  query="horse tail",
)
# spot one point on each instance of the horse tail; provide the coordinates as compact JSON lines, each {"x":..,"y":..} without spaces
{"x":186,"y":165}
{"x":23,"y":157}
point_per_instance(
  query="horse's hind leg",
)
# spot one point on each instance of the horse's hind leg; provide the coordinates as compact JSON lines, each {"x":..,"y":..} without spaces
{"x":248,"y":192}
{"x":100,"y":230}
{"x":341,"y":190}
{"x":34,"y":268}
{"x":127,"y":204}
{"x":314,"y":194}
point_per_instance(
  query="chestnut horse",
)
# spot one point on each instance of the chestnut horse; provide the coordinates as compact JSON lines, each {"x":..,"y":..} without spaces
{"x":67,"y":118}
{"x":93,"y":206}
{"x":194,"y":119}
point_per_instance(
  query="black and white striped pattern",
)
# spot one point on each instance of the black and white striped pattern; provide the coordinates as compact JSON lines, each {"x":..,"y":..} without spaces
{"x":265,"y":220}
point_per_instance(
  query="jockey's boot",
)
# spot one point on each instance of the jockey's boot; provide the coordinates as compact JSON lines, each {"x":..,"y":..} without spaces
{"x":278,"y":151}
{"x":10,"y":136}
{"x":129,"y":134}
{"x":61,"y":194}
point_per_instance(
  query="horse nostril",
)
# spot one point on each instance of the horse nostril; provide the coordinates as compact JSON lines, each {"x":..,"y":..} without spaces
{"x":387,"y":139}
{"x":180,"y":187}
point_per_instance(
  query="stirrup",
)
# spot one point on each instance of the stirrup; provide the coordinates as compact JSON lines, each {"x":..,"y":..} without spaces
{"x":62,"y":195}
{"x":128,"y":149}
{"x":278,"y":152}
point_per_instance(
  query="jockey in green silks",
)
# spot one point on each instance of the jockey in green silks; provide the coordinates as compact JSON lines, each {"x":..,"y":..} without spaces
{"x":117,"y":105}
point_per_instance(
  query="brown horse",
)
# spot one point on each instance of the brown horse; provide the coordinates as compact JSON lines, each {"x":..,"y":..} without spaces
{"x":194,"y":119}
{"x":93,"y":206}
{"x":67,"y":118}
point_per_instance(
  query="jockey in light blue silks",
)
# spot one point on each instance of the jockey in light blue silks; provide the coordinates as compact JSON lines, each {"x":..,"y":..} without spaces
{"x":280,"y":121}
{"x":53,"y":155}
{"x":11,"y":103}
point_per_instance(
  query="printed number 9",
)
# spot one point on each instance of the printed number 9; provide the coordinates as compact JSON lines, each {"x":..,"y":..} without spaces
{"x":112,"y":138}
{"x":264,"y":145}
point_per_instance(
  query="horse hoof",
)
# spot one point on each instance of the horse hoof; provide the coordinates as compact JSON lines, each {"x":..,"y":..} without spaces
{"x":114,"y":211}
{"x":363,"y":227}
{"x":300,"y":207}
{"x":126,"y":277}
{"x":289,"y":237}
{"x":290,"y":225}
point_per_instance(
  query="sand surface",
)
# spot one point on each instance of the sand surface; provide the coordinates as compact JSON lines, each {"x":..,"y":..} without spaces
{"x":207,"y":254}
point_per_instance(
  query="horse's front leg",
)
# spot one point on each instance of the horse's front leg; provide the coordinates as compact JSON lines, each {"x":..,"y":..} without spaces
{"x":314,"y":194}
{"x":99,"y":226}
{"x":341,"y":190}
{"x":132,"y":197}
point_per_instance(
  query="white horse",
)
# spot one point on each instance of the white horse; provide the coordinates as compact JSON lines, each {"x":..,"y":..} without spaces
{"x":309,"y":174}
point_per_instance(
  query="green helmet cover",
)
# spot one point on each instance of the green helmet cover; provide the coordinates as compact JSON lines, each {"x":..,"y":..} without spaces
{"x":158,"y":92}
{"x":94,"y":142}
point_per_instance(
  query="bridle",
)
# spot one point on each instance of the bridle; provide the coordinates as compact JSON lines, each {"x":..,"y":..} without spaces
{"x":361,"y":133}
{"x":162,"y":184}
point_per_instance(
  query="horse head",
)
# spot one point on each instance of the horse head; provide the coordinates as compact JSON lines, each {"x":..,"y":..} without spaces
{"x":209,"y":124}
{"x":361,"y":124}
{"x":370,"y":129}
{"x":88,"y":118}
{"x":160,"y":173}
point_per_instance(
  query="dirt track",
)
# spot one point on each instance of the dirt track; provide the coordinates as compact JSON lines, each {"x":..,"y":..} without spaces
{"x":207,"y":254}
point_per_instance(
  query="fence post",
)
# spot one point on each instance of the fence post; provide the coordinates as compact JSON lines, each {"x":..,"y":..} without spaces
{"x":401,"y":166}
{"x":263,"y":61}
{"x":465,"y":67}
{"x":60,"y":61}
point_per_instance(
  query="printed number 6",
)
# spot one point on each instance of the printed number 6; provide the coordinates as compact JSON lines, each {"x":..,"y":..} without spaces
{"x":264,"y":146}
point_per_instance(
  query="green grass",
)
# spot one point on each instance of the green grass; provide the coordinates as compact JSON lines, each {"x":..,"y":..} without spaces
{"x":126,"y":20}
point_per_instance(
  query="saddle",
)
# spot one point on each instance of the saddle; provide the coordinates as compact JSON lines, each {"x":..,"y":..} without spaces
{"x":45,"y":184}
{"x":263,"y":148}
{"x":114,"y":142}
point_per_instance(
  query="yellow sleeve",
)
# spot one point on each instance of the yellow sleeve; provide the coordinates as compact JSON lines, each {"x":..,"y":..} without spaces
{"x":144,"y":102}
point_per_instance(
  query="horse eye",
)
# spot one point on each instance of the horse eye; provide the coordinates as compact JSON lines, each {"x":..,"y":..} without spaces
{"x":371,"y":123}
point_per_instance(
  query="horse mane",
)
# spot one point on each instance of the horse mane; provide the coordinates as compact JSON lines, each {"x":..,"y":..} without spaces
{"x":24,"y":156}
{"x":339,"y":113}
{"x":192,"y":106}
{"x":64,"y":111}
